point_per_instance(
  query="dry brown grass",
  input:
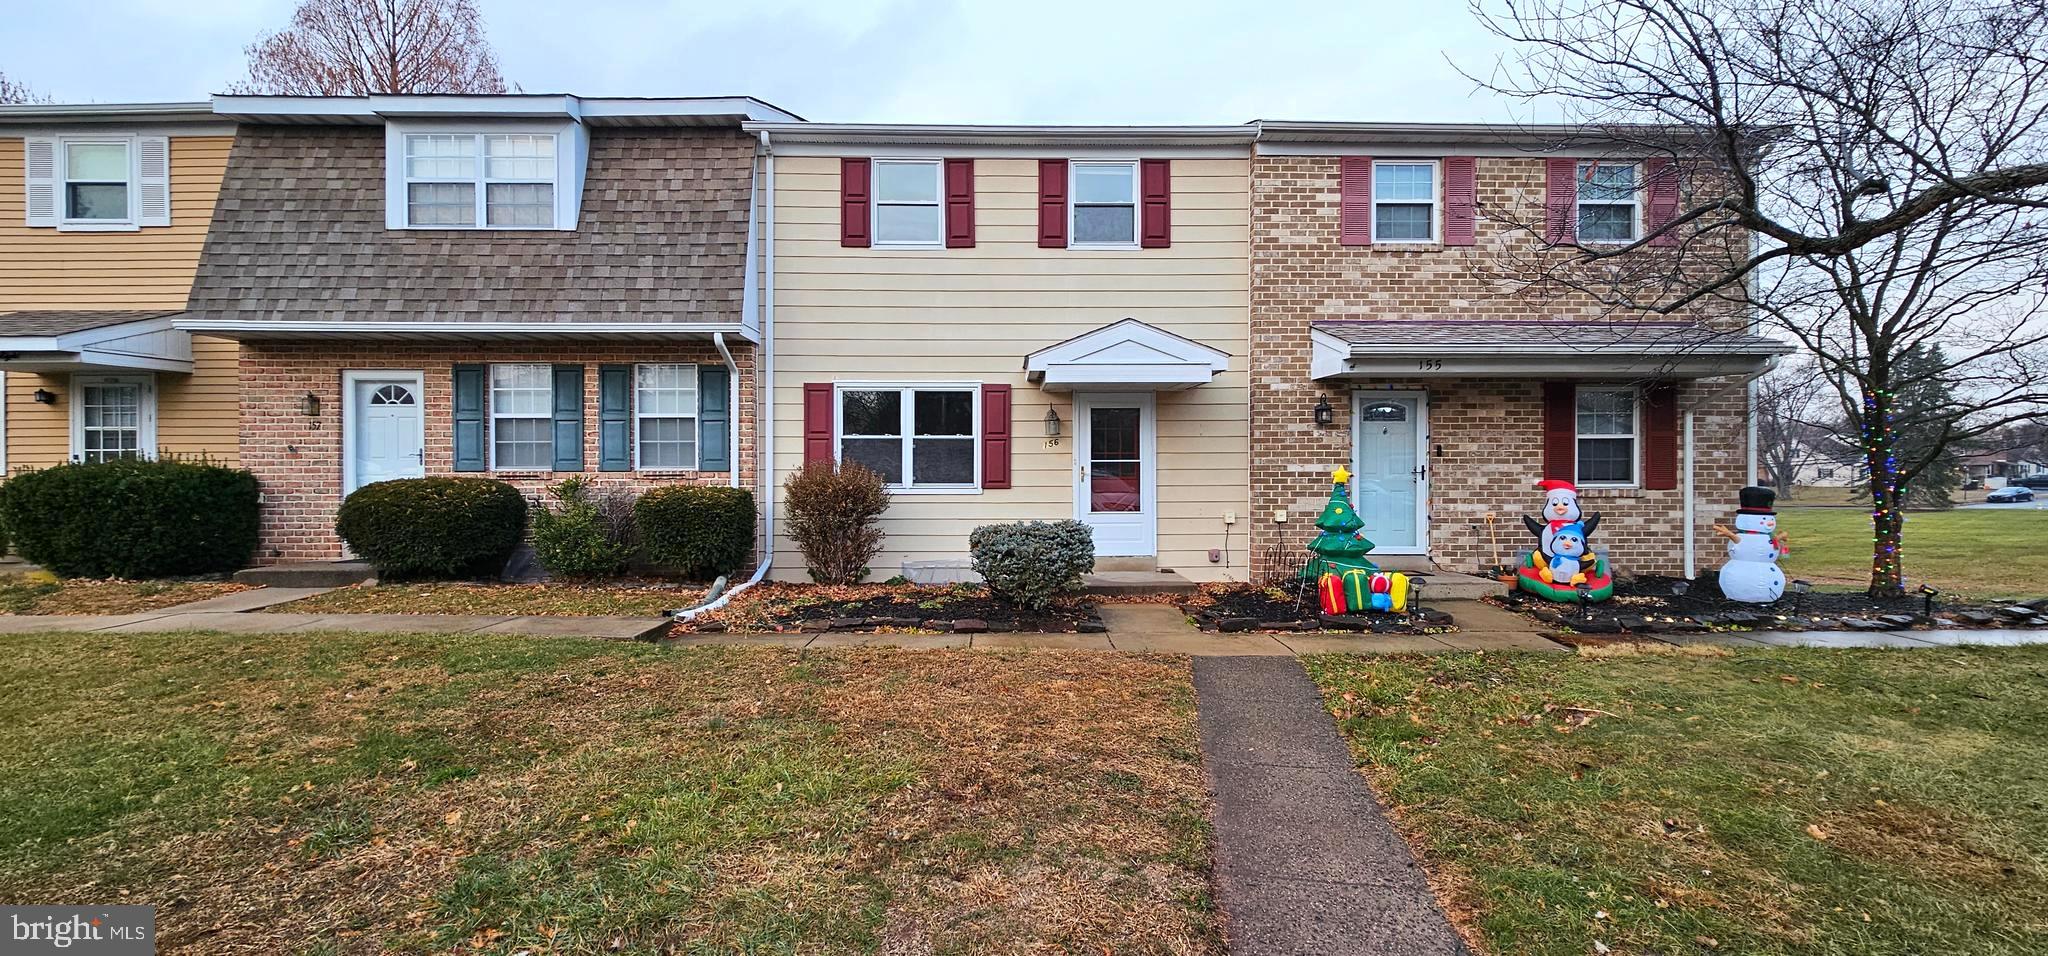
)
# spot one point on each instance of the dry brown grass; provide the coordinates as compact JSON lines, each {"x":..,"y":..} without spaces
{"x":554,"y":599}
{"x":20,"y":594}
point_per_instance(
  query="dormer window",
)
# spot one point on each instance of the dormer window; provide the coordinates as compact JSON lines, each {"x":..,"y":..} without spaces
{"x":480,"y":180}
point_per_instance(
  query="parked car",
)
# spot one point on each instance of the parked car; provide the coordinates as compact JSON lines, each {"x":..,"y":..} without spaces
{"x":2011,"y":494}
{"x":2036,"y":482}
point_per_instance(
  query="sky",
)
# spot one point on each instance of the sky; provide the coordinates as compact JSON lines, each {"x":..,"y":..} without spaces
{"x":913,"y":61}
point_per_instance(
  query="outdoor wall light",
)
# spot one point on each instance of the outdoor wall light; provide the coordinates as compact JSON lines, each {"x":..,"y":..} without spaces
{"x":45,"y":397}
{"x":1325,"y":415}
{"x":1052,"y":423}
{"x":310,"y":405}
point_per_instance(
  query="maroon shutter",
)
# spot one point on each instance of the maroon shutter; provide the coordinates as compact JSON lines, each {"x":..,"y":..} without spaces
{"x":1660,"y":437}
{"x":1461,"y":201}
{"x":1354,"y":200}
{"x":1561,"y":200}
{"x":995,"y":436}
{"x":853,"y":203}
{"x":818,"y":422}
{"x":1155,"y":179}
{"x":1052,"y":203}
{"x":1560,"y":431}
{"x":1663,"y":176}
{"x":959,"y":204}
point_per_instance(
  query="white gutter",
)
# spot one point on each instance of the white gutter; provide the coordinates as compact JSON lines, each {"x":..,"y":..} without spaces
{"x":764,"y":464}
{"x":1691,"y":563}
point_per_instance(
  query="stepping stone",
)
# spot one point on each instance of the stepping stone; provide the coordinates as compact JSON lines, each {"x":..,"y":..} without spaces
{"x":1740,"y":618}
{"x":970,"y":625}
{"x":2018,"y":612}
{"x":1979,"y":618}
{"x":1634,"y":622}
{"x":1236,"y":624}
{"x":1900,"y":620}
{"x":847,"y":623}
{"x":1092,"y":627}
{"x":1862,"y":624}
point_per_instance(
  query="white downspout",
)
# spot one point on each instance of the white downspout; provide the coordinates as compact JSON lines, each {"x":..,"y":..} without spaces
{"x":764,"y":425}
{"x":1691,"y":563}
{"x":732,"y":404}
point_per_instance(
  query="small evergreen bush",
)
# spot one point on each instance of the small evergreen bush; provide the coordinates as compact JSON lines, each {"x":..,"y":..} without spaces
{"x":133,"y":518}
{"x":1030,"y":563}
{"x":589,"y":534}
{"x":698,"y":531}
{"x":833,"y":512}
{"x":441,"y":527}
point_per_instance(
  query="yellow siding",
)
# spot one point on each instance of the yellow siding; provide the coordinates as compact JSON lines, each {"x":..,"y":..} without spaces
{"x":147,"y":269}
{"x":973,"y":314}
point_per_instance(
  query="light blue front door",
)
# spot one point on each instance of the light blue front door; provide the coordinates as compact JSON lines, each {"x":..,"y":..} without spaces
{"x":1389,"y":485}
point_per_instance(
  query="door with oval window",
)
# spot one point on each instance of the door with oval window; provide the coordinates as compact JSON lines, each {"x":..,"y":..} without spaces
{"x":385,"y":435}
{"x":1390,"y":474}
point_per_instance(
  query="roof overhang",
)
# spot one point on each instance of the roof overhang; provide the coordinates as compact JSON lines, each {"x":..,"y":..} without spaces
{"x":140,"y":345}
{"x":596,"y":111}
{"x":1011,"y":141}
{"x":1381,"y":350}
{"x":1299,"y":137}
{"x":296,"y":330}
{"x":67,"y":114}
{"x":1127,"y":355}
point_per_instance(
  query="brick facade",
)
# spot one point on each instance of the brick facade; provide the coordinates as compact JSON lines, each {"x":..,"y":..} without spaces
{"x":298,"y":459}
{"x":1485,"y":434}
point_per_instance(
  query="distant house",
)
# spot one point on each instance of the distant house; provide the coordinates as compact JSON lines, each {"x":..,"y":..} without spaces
{"x":1992,"y":469}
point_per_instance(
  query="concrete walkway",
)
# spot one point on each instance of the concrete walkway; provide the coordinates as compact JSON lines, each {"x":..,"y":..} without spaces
{"x":1306,"y":861}
{"x":182,"y":618}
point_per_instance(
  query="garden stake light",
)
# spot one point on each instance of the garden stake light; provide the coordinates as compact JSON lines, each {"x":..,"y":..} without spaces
{"x":1928,"y":591}
{"x":1799,"y":589}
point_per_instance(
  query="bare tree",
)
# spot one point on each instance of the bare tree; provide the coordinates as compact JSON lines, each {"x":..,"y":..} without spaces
{"x":355,"y":47}
{"x":1869,"y":177}
{"x":15,"y":91}
{"x":1798,"y":425}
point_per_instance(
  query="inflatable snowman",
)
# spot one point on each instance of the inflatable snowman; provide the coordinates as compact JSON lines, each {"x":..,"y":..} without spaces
{"x":1752,"y":573}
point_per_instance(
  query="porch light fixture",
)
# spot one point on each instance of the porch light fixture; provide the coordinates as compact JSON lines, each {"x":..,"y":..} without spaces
{"x":45,"y":397}
{"x":310,"y":405}
{"x":1052,"y":423}
{"x":1325,"y":415}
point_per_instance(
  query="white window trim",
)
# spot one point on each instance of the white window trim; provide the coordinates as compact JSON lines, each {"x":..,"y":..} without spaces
{"x":1635,"y":436}
{"x":64,"y":221}
{"x":482,"y":180}
{"x":938,"y":168}
{"x":696,"y":416}
{"x":1634,"y":202}
{"x":1074,"y":203}
{"x":571,"y":156}
{"x":909,"y":412}
{"x":492,"y":417}
{"x":1436,"y":202}
{"x":145,"y":431}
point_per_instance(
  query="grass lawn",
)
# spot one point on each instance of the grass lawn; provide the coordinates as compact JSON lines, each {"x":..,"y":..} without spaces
{"x":1982,"y":553}
{"x":1786,"y":801}
{"x":21,"y":595}
{"x":567,"y":600}
{"x":314,"y":793}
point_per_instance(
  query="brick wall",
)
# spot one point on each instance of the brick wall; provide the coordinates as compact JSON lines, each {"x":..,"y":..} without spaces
{"x":1490,"y":431}
{"x":297,"y":459}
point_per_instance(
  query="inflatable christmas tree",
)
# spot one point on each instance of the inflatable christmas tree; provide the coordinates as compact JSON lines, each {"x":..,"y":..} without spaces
{"x":1342,"y":545}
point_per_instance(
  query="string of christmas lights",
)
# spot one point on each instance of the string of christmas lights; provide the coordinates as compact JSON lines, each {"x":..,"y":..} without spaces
{"x":1884,"y":509}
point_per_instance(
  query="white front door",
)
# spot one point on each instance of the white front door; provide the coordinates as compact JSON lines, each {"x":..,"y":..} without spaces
{"x":385,"y":435}
{"x":1115,"y":484}
{"x":1390,"y":476}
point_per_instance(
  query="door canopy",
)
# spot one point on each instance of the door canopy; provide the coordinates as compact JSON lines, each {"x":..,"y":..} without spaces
{"x":1125,"y":356}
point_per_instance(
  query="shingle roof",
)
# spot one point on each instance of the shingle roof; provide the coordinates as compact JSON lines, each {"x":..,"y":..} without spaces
{"x":41,"y":322}
{"x":1485,"y":335}
{"x":298,"y":234}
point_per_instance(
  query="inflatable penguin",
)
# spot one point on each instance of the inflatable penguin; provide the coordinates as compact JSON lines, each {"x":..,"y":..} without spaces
{"x":1560,"y":508}
{"x":1752,"y":573}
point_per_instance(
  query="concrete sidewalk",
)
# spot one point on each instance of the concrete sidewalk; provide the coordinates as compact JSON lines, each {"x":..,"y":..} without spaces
{"x":258,"y":622}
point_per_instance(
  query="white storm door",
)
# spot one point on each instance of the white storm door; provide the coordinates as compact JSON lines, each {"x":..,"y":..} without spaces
{"x":386,"y":437}
{"x":1390,"y":477}
{"x":1115,"y":485}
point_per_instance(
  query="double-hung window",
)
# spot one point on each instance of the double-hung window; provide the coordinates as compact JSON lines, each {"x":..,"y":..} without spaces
{"x":908,"y":212}
{"x":1105,"y":204}
{"x":1608,"y":202}
{"x":1607,"y":430}
{"x":96,"y":181}
{"x":1404,"y":201}
{"x":915,"y":437}
{"x":665,"y":417}
{"x":522,"y":422}
{"x":498,"y":180}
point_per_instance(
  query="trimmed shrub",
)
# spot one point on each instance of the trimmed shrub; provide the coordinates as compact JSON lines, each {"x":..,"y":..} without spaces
{"x":133,"y":518}
{"x":1031,"y":562}
{"x":697,"y":531}
{"x":588,"y":535}
{"x":833,"y":512}
{"x":441,"y":527}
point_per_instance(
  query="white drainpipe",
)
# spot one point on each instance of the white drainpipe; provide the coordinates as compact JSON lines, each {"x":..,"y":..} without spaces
{"x":1691,"y":563}
{"x":764,"y":426}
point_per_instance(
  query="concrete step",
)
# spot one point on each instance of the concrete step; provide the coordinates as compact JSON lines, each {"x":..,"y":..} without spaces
{"x":1143,"y":562}
{"x":1134,"y":583}
{"x":1449,"y":585}
{"x":311,"y":574}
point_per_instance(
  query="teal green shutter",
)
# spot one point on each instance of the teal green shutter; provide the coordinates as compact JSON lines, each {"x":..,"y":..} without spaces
{"x":714,"y":418}
{"x":568,"y":418}
{"x":469,"y":418}
{"x":614,"y":433}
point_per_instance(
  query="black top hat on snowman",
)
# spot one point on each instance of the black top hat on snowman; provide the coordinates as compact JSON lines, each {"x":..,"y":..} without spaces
{"x":1757,"y":500}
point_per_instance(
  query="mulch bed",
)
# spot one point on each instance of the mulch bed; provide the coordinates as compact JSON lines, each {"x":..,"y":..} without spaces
{"x":1250,"y":607}
{"x":890,"y":608}
{"x":1653,"y":604}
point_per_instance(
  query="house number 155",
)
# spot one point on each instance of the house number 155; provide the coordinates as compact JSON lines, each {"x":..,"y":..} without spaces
{"x":1430,"y":365}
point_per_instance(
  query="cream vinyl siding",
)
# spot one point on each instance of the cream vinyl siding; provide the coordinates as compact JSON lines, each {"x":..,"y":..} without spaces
{"x":150,"y":268}
{"x":911,"y":315}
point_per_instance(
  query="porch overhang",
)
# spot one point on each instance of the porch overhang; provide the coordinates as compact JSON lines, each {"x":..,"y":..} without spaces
{"x":455,"y":333}
{"x":93,"y":341}
{"x":1128,"y":355}
{"x":1380,"y":349}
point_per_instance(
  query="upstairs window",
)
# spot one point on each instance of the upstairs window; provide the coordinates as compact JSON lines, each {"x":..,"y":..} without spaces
{"x":1404,"y":202}
{"x":498,"y":180}
{"x":96,"y":181}
{"x":1105,"y":206}
{"x":1607,"y":202}
{"x":907,"y":203}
